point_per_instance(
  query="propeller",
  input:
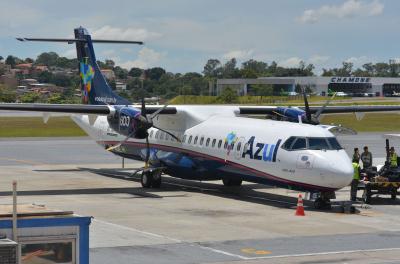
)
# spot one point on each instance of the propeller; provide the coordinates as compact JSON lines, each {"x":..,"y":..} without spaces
{"x":310,"y":118}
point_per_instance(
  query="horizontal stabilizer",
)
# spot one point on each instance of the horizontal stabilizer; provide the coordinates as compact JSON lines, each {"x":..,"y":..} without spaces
{"x":74,"y":40}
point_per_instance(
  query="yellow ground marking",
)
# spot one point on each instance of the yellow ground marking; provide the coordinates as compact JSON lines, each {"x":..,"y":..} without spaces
{"x":255,"y":251}
{"x":24,"y":161}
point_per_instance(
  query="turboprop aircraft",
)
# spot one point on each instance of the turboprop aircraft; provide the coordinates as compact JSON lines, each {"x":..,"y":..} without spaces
{"x":208,"y":142}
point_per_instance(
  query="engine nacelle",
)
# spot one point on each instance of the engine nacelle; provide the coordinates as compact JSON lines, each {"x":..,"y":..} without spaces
{"x":128,"y":120}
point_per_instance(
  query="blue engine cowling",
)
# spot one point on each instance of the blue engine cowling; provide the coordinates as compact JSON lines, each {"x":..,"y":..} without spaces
{"x":128,"y":121}
{"x":291,"y":113}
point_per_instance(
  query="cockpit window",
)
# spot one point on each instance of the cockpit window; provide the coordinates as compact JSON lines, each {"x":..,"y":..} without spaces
{"x":334,"y":143}
{"x":288,"y":143}
{"x":313,"y":143}
{"x":317,"y":143}
{"x":300,"y":143}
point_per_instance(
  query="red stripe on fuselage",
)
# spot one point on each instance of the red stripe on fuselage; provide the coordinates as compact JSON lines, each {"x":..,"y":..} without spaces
{"x":234,"y":164}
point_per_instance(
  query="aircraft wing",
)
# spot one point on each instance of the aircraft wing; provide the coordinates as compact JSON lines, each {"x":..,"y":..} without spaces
{"x":77,"y":108}
{"x":264,"y":110}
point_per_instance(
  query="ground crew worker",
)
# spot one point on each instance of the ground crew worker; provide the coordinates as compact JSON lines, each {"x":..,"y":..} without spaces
{"x":356,"y":179}
{"x":356,"y":155}
{"x":393,"y":158}
{"x":366,"y":158}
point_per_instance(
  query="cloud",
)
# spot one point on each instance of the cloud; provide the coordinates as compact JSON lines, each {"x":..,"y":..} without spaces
{"x":238,"y":54}
{"x":358,"y":60}
{"x":139,"y":34}
{"x":350,"y":8}
{"x":290,"y":62}
{"x":70,"y":54}
{"x":147,"y":58}
{"x":318,"y":59}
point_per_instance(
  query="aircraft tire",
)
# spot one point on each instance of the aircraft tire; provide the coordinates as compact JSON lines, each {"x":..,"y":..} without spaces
{"x":232,"y":182}
{"x":147,"y":179}
{"x":156,"y":181}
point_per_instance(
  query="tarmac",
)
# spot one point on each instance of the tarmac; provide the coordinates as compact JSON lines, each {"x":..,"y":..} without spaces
{"x":194,"y":222}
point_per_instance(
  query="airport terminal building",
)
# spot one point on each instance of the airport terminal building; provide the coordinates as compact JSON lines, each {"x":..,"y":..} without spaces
{"x":355,"y":86}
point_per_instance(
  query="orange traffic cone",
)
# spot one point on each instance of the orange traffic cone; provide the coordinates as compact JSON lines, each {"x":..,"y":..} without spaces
{"x":300,"y":207}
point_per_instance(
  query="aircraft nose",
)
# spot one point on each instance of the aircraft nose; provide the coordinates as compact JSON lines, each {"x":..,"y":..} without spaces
{"x":342,"y":169}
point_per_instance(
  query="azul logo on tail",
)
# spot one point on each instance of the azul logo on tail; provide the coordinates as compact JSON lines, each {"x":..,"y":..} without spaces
{"x":87,"y":75}
{"x":261,"y":151}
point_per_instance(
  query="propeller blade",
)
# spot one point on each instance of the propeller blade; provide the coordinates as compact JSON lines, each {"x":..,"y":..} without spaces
{"x":143,"y":110}
{"x":319,"y":112}
{"x":153,"y":115}
{"x":120,"y":143}
{"x":307,"y":107}
{"x":169,"y":133}
{"x":146,"y":162}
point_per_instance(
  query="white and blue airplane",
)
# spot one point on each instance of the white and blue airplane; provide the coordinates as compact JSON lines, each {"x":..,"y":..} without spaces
{"x":208,"y":142}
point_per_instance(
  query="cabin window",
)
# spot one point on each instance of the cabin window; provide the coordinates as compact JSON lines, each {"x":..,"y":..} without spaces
{"x":184,"y":139}
{"x":288,"y":143}
{"x":219,"y":143}
{"x":195,"y":140}
{"x":201,"y":141}
{"x":162,"y":135}
{"x":226,"y":144}
{"x":213,"y":142}
{"x":166,"y":136}
{"x":190,"y":140}
{"x":207,"y":142}
{"x":157,"y":133}
{"x":151,"y":134}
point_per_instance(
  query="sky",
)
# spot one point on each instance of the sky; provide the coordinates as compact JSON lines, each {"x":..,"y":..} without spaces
{"x":181,"y":35}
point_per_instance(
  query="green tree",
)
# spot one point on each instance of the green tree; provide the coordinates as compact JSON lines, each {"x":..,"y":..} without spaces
{"x":228,"y":95}
{"x":212,"y":68}
{"x":11,"y":60}
{"x":120,"y":73}
{"x":29,"y":60}
{"x":45,"y":77}
{"x":229,"y":70}
{"x":135,"y":72}
{"x":61,"y":80}
{"x":7,"y":95}
{"x":155,"y":73}
{"x":30,"y":97}
{"x":47,"y":58}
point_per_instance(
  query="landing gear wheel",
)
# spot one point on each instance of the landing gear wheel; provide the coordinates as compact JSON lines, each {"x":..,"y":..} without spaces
{"x":156,"y":180}
{"x":146,"y":179}
{"x":232,"y":182}
{"x":320,"y":204}
{"x":394,"y":194}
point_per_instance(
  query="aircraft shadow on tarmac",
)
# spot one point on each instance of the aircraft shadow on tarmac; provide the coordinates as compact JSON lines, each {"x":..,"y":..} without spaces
{"x":247,"y":192}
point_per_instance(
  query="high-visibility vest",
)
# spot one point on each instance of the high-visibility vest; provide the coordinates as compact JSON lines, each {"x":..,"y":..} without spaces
{"x":356,"y":167}
{"x":393,"y":159}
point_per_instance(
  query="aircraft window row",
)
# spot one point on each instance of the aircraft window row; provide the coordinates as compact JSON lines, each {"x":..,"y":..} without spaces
{"x":313,"y":143}
{"x":208,"y":142}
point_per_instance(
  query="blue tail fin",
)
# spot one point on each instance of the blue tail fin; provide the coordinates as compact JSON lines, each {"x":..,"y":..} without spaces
{"x":95,"y":89}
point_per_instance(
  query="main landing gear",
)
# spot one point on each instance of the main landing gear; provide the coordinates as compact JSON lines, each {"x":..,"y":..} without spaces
{"x":151,"y":179}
